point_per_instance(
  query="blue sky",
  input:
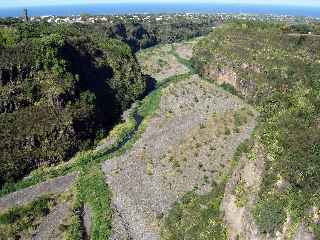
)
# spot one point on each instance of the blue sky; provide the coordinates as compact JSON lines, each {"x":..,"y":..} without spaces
{"x":19,"y":3}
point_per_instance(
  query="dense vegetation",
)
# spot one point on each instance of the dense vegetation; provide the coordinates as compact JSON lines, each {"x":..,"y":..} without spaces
{"x":143,"y":35}
{"x":303,"y":28}
{"x":60,"y":88}
{"x":196,"y":217}
{"x":279,"y":73}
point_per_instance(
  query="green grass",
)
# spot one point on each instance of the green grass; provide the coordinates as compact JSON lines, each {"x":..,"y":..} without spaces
{"x":73,"y":228}
{"x":26,"y":218}
{"x":229,"y":88}
{"x":196,"y":217}
{"x":241,"y":194}
{"x":269,"y":214}
{"x":80,"y":161}
{"x":92,"y":190}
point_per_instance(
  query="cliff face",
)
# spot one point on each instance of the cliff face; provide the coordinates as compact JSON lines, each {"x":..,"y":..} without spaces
{"x":58,"y":92}
{"x":274,"y":191}
{"x":255,"y":59}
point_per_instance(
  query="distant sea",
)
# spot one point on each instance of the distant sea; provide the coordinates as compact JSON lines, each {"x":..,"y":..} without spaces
{"x":109,"y":9}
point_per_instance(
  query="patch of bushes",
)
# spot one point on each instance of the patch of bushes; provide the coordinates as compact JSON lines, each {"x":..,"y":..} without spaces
{"x":229,"y":88}
{"x":241,"y":194}
{"x":91,"y":189}
{"x":270,"y":214}
{"x":196,"y":217}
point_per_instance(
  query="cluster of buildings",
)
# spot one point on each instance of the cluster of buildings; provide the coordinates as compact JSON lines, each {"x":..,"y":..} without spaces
{"x":149,"y":18}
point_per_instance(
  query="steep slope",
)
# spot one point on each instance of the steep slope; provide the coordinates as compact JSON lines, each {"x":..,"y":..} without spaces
{"x":58,"y":92}
{"x":279,"y":73}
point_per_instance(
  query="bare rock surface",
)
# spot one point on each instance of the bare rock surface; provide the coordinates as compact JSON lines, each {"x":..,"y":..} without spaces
{"x":238,"y":216}
{"x":184,"y":50}
{"x":185,"y":147}
{"x":119,"y":227}
{"x":304,"y":234}
{"x":28,"y":195}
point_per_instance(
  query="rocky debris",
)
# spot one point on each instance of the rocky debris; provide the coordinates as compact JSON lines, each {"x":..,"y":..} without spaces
{"x":303,"y":234}
{"x":25,"y":196}
{"x":160,"y":63}
{"x":238,"y":219}
{"x":185,"y":50}
{"x":49,"y":228}
{"x":145,"y":182}
{"x":120,"y":228}
{"x":87,"y":215}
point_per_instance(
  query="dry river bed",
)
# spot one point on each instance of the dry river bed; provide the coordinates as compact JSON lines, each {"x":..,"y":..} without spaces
{"x":187,"y":146}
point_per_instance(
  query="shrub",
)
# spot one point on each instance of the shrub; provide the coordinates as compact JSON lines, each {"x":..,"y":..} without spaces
{"x":269,"y":214}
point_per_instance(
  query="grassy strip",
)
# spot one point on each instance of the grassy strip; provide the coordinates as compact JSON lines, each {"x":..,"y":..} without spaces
{"x":80,"y":161}
{"x":121,"y":132}
{"x":25,"y":219}
{"x":150,"y":104}
{"x":74,"y":227}
{"x":92,"y":190}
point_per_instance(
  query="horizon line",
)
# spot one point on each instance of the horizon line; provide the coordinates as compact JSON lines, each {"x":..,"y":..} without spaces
{"x":272,"y":3}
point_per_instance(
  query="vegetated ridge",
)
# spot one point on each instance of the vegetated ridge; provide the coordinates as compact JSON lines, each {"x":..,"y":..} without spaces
{"x":278,"y":73}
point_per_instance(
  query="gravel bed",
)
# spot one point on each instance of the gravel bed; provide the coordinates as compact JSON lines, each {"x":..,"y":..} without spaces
{"x":28,"y":195}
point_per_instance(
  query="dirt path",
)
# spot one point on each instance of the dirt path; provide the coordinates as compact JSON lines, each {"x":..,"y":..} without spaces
{"x":187,"y":146}
{"x":25,"y":196}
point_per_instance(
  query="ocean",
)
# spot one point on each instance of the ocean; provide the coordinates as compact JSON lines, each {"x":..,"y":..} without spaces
{"x":118,"y":8}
